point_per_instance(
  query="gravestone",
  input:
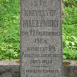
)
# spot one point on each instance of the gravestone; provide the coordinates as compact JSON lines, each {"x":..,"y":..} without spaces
{"x":41,"y":38}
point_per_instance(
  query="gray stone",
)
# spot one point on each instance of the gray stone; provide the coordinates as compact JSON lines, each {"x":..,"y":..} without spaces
{"x":9,"y":71}
{"x":41,"y":38}
{"x":72,"y":71}
{"x":7,"y":74}
{"x":11,"y":68}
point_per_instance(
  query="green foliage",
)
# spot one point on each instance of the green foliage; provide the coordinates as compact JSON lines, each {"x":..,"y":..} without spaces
{"x":70,"y":3}
{"x":71,"y":16}
{"x":70,"y":31}
{"x":69,"y":47}
{"x":9,"y":29}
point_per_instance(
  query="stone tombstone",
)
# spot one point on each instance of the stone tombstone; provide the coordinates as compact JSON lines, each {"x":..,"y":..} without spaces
{"x":41,"y":38}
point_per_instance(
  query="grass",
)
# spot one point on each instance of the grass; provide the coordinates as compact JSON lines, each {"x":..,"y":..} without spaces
{"x":9,"y":29}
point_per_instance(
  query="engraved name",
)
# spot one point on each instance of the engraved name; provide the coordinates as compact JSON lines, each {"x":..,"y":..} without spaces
{"x":40,"y":12}
{"x":40,"y":23}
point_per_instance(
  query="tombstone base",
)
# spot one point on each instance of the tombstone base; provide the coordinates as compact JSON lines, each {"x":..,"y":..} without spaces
{"x":11,"y":68}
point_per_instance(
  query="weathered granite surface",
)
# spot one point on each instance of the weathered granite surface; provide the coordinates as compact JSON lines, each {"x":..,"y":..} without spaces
{"x":41,"y":38}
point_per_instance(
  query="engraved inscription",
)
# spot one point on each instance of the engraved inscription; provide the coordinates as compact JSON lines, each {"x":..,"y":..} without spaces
{"x":41,"y":38}
{"x":47,"y":61}
{"x":40,"y":12}
{"x":43,"y":48}
{"x":40,"y":23}
{"x":40,"y":41}
{"x":40,"y":3}
{"x":33,"y":32}
{"x":41,"y":55}
{"x":42,"y":71}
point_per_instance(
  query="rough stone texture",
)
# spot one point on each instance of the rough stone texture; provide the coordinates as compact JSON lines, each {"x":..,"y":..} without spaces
{"x":65,"y":71}
{"x":72,"y":71}
{"x":9,"y":71}
{"x":41,"y":38}
{"x":9,"y":68}
{"x":12,"y":70}
{"x":14,"y":62}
